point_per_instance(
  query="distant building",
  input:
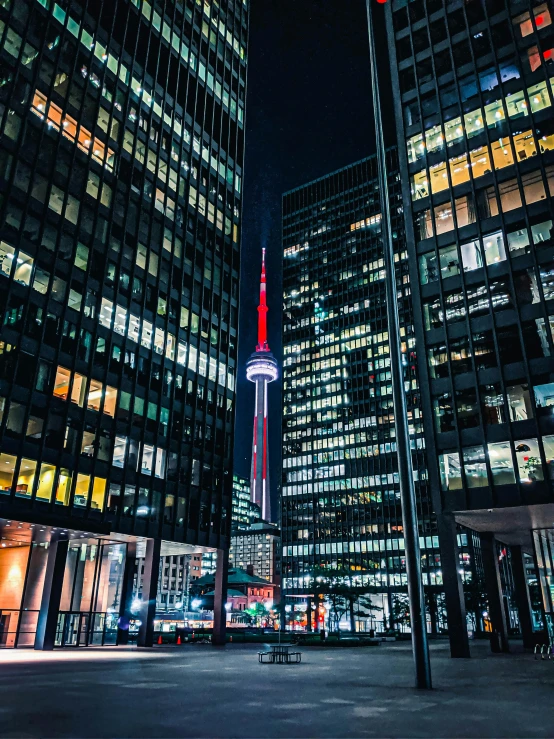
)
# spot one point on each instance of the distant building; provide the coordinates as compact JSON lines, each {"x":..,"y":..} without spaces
{"x":244,"y":511}
{"x":257,"y":547}
{"x":341,"y":491}
{"x":242,"y":585}
{"x":209,"y":562}
{"x":177,"y":572}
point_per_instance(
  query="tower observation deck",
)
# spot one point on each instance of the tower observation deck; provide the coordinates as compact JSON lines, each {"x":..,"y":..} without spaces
{"x":261,"y":369}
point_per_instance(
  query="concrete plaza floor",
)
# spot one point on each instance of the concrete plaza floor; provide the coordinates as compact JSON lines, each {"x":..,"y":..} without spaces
{"x":203,"y":691}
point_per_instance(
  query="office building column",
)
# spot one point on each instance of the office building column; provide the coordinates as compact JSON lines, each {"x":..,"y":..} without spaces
{"x":497,"y":613}
{"x":453,"y":587}
{"x":523,"y":600}
{"x":220,"y":597}
{"x":51,"y":594}
{"x":149,"y":592}
{"x":126,"y":601}
{"x":309,"y":614}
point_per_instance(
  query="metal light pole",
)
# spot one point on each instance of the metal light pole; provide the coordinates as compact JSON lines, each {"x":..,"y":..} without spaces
{"x":405,"y":468}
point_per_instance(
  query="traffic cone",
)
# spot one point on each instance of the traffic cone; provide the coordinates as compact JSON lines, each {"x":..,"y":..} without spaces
{"x":160,"y":639}
{"x":179,"y":639}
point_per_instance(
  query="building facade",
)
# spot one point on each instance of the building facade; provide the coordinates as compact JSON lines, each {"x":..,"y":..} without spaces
{"x":475,"y":126}
{"x":257,"y":547}
{"x":245,"y":590}
{"x":177,"y":573}
{"x":121,"y":151}
{"x":244,"y":511}
{"x":340,"y":490}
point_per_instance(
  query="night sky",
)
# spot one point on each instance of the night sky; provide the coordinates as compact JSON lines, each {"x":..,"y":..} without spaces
{"x":308,"y":113}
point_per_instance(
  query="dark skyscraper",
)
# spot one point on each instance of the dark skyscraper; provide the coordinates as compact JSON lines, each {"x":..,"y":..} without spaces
{"x":120,"y":165}
{"x":474,"y":116}
{"x":340,"y":496}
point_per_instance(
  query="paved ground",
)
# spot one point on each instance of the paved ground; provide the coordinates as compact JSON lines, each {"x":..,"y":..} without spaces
{"x":201,"y":691}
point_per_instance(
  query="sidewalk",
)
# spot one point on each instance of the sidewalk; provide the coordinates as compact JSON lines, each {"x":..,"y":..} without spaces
{"x":202,"y":691}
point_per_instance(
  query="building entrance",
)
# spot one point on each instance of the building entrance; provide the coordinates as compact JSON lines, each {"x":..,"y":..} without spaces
{"x":75,"y":629}
{"x":90,"y":591}
{"x":69,"y":629}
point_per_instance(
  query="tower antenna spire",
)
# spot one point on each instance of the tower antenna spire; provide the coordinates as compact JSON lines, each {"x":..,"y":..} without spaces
{"x":262,"y":346}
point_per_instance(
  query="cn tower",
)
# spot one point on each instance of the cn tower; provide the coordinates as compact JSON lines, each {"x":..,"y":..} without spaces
{"x":261,"y":369}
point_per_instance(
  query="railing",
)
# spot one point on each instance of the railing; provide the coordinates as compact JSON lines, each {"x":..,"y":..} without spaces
{"x":17,"y":628}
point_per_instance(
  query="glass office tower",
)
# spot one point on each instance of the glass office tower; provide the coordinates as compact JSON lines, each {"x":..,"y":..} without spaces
{"x":340,"y":491}
{"x":244,"y":512}
{"x":120,"y":175}
{"x":473,"y":96}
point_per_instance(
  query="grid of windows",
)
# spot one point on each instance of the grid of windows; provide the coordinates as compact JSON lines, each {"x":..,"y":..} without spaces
{"x":476,"y":91}
{"x":244,"y":512}
{"x":256,"y":548}
{"x":120,"y":171}
{"x":340,"y":495}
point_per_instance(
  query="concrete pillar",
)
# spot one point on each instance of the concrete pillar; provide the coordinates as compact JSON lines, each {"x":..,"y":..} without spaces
{"x":51,"y":594}
{"x":453,"y":587}
{"x":523,"y":600}
{"x":126,"y":599}
{"x":220,"y":597}
{"x":309,"y":613}
{"x":497,"y":613}
{"x":149,"y":592}
{"x":32,"y":595}
{"x":78,"y":583}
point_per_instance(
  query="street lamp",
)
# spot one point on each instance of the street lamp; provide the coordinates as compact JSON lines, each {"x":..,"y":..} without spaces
{"x":420,"y":647}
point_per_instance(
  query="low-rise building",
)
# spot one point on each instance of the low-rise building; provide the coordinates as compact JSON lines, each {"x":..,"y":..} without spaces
{"x":244,"y":590}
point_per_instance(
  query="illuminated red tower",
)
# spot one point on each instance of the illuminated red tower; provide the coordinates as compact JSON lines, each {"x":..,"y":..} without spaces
{"x":261,"y":369}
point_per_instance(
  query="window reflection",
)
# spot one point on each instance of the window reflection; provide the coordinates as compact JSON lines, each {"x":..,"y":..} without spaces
{"x":448,"y":261}
{"x":500,"y":459}
{"x":7,"y":469}
{"x":518,"y":242}
{"x":492,"y":404}
{"x":526,"y":24}
{"x":525,"y":147}
{"x":541,"y":232}
{"x":494,"y":249}
{"x":519,"y":402}
{"x":467,"y":408}
{"x":26,"y":478}
{"x":474,"y":121}
{"x":528,"y":460}
{"x":548,"y":444}
{"x":475,"y":467}
{"x":450,"y":471}
{"x":444,"y":413}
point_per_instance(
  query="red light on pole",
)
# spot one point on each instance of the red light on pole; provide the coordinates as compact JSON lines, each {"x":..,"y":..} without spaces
{"x":382,"y":1}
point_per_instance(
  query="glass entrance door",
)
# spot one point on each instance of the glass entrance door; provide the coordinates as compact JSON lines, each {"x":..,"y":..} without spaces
{"x":71,"y":631}
{"x":83,"y":630}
